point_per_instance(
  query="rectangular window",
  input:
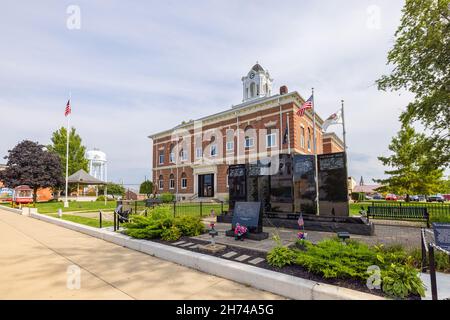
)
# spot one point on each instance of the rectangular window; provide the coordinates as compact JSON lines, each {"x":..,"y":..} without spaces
{"x":248,"y":143}
{"x":271,"y":140}
{"x":213,"y":150}
{"x":230,"y":146}
{"x":172,"y":157}
{"x":161,"y":184}
{"x":172,"y":184}
{"x":183,"y":155}
{"x":161,"y":157}
{"x":183,"y":183}
{"x":198,"y":153}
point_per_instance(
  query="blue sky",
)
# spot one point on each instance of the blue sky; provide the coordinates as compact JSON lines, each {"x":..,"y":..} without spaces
{"x":138,"y":67}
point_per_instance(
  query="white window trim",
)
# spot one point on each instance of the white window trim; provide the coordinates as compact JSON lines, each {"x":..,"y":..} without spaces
{"x":197,"y":156}
{"x":171,"y":181}
{"x":274,"y":145}
{"x":172,"y":157}
{"x":161,"y":184}
{"x":183,"y":179}
{"x":184,"y":155}
{"x":159,"y":158}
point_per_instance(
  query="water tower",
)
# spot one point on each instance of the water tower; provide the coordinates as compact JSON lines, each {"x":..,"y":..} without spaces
{"x":97,"y":164}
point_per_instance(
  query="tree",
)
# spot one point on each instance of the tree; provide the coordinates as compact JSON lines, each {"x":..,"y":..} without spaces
{"x":146,"y":188}
{"x":412,"y":172}
{"x":31,"y":164}
{"x":77,"y":151}
{"x":421,"y":60}
{"x":112,"y":189}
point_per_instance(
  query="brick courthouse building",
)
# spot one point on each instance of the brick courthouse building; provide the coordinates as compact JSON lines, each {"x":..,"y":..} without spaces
{"x":191,"y":159}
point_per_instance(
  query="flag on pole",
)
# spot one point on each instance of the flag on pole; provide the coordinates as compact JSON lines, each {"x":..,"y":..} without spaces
{"x":68,"y":109}
{"x":335,"y":118}
{"x":307,"y":105}
{"x":300,"y":221}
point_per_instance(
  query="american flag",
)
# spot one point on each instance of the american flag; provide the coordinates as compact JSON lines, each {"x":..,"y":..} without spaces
{"x":68,"y":109}
{"x":300,"y":221}
{"x":307,"y":105}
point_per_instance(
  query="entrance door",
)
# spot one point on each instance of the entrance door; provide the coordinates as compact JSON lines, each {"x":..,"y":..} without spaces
{"x":206,"y":185}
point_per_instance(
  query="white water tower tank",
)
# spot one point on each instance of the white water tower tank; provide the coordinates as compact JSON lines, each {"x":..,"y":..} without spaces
{"x":97,"y":164}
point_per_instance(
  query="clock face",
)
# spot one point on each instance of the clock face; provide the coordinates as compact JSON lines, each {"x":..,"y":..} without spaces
{"x":252,"y":75}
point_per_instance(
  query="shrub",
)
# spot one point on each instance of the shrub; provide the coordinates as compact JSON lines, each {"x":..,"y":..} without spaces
{"x":171,"y":234}
{"x":147,"y":227}
{"x":280,"y":256}
{"x":333,"y":259}
{"x":401,"y":281}
{"x":189,"y":226}
{"x":167,"y":197}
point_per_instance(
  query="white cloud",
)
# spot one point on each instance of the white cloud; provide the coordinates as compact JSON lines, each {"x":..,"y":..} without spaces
{"x":137,"y":69}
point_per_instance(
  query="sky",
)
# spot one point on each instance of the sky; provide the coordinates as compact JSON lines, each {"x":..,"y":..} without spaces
{"x":134,"y":68}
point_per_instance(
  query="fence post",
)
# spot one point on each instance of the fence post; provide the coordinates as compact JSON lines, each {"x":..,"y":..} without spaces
{"x":115,"y":219}
{"x":174,"y":208}
{"x":434,"y":295}
{"x":135,"y":206}
{"x":201,"y":209}
{"x":423,"y":250}
{"x":100,"y":218}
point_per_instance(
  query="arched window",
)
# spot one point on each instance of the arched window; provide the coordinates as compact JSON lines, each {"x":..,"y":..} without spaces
{"x":183,"y":155}
{"x":183,"y":181}
{"x":171,"y":181}
{"x":161,"y":182}
{"x":213,"y":146}
{"x":252,"y":89}
{"x":309,"y":139}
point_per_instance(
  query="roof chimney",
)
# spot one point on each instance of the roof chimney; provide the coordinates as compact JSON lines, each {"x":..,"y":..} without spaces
{"x":283,"y":90}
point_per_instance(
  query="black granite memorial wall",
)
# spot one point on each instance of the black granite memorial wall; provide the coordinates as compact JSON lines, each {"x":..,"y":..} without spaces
{"x":281,"y":188}
{"x":333,"y":188}
{"x":304,"y":184}
{"x":237,"y":184}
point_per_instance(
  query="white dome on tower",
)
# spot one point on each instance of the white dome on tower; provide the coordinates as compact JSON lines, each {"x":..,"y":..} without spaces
{"x":257,"y":83}
{"x":96,"y":155}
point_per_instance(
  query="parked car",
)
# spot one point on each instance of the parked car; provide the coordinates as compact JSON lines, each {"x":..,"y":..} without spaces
{"x":391,"y":197}
{"x":422,"y":197}
{"x":436,"y":198}
{"x":377,"y":196}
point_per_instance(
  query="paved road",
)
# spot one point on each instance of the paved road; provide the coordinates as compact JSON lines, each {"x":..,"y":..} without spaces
{"x":39,"y":260}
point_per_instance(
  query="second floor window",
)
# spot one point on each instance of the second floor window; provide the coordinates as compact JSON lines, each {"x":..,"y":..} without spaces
{"x":161,"y":157}
{"x":198,"y":153}
{"x":161,"y":182}
{"x":271,"y":140}
{"x":213,"y":150}
{"x":248,"y":143}
{"x":302,"y":137}
{"x":183,"y":155}
{"x":230,"y":145}
{"x":172,"y":156}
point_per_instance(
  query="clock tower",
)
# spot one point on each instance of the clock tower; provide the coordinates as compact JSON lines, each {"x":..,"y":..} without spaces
{"x":257,"y":83}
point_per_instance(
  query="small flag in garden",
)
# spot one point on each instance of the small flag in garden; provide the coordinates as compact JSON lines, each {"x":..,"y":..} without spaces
{"x":68,"y":109}
{"x":307,"y":105}
{"x":300,"y":221}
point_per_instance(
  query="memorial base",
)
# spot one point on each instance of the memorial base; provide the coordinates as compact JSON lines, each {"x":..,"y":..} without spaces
{"x":212,"y":248}
{"x":249,"y":235}
{"x":352,"y":225}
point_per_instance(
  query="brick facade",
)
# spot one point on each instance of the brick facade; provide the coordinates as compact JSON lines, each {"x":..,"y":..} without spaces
{"x":255,"y":120}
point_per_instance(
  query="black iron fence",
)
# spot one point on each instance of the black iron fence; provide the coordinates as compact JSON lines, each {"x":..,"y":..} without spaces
{"x":438,"y":211}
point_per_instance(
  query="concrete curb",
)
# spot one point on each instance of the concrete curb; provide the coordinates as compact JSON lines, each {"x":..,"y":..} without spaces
{"x":19,"y":211}
{"x":275,"y":282}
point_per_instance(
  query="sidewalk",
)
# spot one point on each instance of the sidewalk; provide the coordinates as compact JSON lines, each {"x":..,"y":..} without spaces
{"x":35,"y":256}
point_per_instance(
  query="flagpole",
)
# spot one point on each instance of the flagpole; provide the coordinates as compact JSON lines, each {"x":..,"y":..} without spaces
{"x":66,"y":202}
{"x":345,"y":142}
{"x":315,"y":152}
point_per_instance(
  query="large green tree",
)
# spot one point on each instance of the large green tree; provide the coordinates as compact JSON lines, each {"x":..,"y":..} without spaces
{"x":421,"y":64}
{"x":113,"y":189}
{"x":31,"y":164}
{"x":410,"y":171}
{"x":146,"y":187}
{"x":77,"y":159}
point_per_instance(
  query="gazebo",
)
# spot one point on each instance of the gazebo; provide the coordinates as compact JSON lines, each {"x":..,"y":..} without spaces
{"x":81,"y":177}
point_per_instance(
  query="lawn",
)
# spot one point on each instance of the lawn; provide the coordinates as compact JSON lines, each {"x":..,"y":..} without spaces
{"x":91,"y":222}
{"x":52,"y":207}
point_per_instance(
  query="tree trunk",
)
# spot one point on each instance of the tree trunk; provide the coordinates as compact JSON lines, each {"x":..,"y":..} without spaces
{"x":34,"y":196}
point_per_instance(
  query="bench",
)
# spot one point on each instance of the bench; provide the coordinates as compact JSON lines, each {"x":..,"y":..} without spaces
{"x":399,"y":213}
{"x":122,"y":215}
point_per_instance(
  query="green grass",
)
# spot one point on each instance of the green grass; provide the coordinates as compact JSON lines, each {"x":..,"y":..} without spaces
{"x":91,"y":222}
{"x":193,"y":209}
{"x":52,"y":207}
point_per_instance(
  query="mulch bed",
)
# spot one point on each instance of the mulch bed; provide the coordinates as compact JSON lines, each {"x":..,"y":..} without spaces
{"x":293,"y":270}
